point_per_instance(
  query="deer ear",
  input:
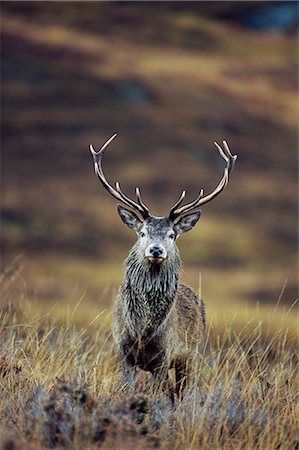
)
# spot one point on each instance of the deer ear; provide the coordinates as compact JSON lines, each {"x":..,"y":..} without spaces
{"x":129,"y":218}
{"x":187,"y":222}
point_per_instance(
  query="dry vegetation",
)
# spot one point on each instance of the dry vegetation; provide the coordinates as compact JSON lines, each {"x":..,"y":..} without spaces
{"x":170,"y":83}
{"x":60,"y":387}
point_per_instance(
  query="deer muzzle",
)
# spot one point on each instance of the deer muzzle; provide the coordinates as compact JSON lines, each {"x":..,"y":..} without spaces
{"x":155,"y":253}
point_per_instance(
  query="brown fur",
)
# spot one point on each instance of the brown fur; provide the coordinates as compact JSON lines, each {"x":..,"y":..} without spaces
{"x":173,"y":344}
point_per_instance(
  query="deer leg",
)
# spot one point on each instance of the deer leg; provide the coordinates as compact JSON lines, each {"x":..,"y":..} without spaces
{"x":128,"y":370}
{"x":161,"y":380}
{"x":129,"y":375}
{"x":180,"y":377}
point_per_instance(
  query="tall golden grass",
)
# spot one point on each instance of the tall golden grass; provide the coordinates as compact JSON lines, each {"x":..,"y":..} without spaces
{"x":61,"y":386}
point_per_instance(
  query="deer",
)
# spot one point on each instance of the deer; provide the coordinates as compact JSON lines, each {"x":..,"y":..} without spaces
{"x":158,"y":322}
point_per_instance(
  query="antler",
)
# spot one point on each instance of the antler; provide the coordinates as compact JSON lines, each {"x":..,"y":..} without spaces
{"x":117,"y":193}
{"x":230,"y":159}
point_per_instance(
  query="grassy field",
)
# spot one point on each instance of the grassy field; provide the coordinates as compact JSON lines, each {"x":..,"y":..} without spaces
{"x":61,"y":385}
{"x":170,"y":82}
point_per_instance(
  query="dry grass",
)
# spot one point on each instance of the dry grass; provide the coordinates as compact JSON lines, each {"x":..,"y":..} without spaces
{"x":61,"y":385}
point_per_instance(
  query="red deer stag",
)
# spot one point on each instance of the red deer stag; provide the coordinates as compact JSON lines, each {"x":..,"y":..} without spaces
{"x":158,"y":322}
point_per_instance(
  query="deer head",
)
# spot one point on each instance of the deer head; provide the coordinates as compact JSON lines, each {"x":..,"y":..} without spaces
{"x":156,"y":235}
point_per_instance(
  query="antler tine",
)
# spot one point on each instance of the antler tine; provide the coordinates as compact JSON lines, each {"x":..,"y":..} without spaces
{"x":141,"y":207}
{"x":200,"y":200}
{"x":179,"y":211}
{"x":118,"y":194}
{"x":177,"y":204}
{"x":138,"y":195}
{"x":227,"y":155}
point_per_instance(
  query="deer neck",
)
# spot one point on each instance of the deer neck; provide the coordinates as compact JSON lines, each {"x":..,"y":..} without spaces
{"x":150,"y":291}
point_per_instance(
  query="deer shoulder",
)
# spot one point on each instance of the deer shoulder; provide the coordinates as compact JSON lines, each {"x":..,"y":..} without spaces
{"x":188,"y":317}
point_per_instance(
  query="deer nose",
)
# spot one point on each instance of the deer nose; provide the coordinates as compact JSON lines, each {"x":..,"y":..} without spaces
{"x":156,"y":251}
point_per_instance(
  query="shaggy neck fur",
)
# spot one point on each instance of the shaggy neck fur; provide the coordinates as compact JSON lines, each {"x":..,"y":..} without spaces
{"x":149,"y":291}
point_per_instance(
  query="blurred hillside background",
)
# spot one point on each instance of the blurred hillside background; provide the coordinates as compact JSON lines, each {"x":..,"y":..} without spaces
{"x":170,"y":78}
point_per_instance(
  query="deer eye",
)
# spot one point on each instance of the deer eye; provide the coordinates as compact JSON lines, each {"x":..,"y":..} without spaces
{"x":142,"y":234}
